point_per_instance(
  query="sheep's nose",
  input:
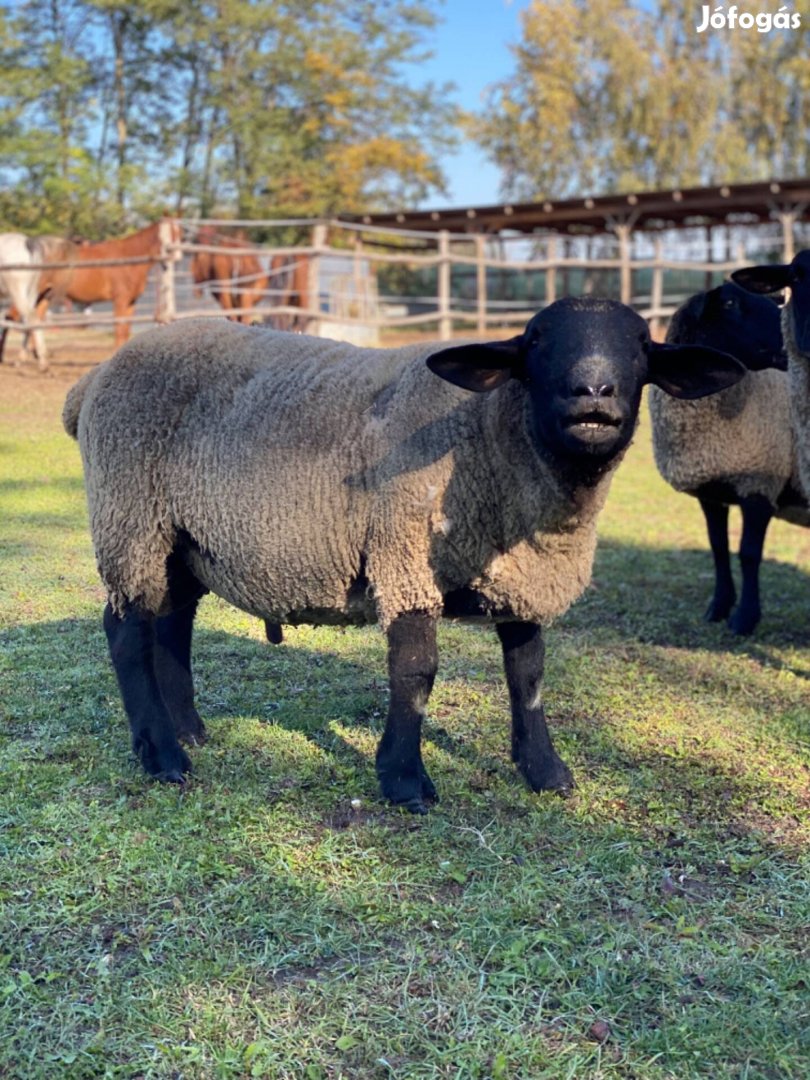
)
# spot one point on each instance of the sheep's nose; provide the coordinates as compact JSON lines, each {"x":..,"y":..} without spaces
{"x":586,"y":390}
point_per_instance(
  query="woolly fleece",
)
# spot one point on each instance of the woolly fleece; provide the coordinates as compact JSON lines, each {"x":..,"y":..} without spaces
{"x":799,"y":378}
{"x":742,"y":437}
{"x":307,"y":480}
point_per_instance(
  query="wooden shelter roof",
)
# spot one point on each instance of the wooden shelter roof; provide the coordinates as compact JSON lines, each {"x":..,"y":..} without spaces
{"x":646,"y":210}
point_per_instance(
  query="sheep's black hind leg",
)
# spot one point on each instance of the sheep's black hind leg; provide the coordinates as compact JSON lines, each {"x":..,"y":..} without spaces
{"x":722,"y":602}
{"x":532,"y":749}
{"x":412,"y":663}
{"x":131,"y":639}
{"x":757,"y":513}
{"x":173,"y":671}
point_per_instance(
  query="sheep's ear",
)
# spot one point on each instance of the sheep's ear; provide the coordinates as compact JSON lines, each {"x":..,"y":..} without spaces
{"x":482,"y":366}
{"x":763,"y":279}
{"x":692,"y":371}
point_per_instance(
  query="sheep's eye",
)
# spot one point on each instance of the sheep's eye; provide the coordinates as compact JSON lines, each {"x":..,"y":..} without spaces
{"x":729,"y":304}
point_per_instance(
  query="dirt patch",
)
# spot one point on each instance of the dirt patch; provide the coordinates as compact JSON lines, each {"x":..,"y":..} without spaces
{"x":27,"y":392}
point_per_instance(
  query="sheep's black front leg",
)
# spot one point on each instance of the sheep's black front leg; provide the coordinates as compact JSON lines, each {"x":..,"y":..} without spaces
{"x":412,"y":662}
{"x":173,"y":671}
{"x":131,"y":639}
{"x":722,"y":602}
{"x":532,"y":749}
{"x":757,"y":513}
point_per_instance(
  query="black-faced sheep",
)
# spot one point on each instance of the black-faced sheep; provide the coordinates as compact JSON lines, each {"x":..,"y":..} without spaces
{"x":306,"y":480}
{"x":736,"y":447}
{"x":796,"y":334}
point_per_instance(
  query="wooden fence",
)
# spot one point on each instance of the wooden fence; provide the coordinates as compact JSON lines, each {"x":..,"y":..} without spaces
{"x":345,"y":261}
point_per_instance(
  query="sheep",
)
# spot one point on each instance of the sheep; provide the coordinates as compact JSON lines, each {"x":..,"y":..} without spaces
{"x":736,"y":447}
{"x":796,"y":333}
{"x":307,"y":480}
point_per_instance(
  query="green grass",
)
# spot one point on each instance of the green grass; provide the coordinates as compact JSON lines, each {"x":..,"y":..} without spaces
{"x":258,"y":924}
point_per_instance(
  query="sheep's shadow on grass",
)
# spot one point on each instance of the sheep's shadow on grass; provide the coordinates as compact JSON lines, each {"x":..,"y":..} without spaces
{"x":60,"y":692}
{"x":659,"y":596}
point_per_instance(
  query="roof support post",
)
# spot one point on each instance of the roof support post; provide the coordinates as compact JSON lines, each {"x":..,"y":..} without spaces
{"x":481,"y":283}
{"x":623,"y":231}
{"x":551,"y":272}
{"x":787,"y":217}
{"x":657,"y":295}
{"x":708,"y":275}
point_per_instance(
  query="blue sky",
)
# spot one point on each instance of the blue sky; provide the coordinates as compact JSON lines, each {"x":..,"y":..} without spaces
{"x":470,"y":49}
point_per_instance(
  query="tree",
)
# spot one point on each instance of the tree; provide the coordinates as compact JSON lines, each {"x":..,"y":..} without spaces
{"x":609,"y":96}
{"x":302,"y":108}
{"x":45,"y":91}
{"x":115,"y":108}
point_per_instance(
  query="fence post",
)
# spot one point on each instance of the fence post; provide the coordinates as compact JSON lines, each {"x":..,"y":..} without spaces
{"x":787,"y":217}
{"x":313,"y":311}
{"x":361,"y":305}
{"x":657,"y":297}
{"x":625,"y":269}
{"x":167,"y":304}
{"x":708,"y":277}
{"x":445,"y":322}
{"x":551,"y":273}
{"x":481,"y":283}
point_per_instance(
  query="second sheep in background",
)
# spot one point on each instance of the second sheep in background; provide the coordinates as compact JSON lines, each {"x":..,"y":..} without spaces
{"x":736,"y":447}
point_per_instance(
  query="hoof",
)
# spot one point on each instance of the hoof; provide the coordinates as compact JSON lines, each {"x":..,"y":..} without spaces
{"x":413,"y":791}
{"x":191,"y":730}
{"x":273,"y":632}
{"x":744,"y":622}
{"x":552,"y":776}
{"x":173,"y":777}
{"x":718,"y":610}
{"x":167,"y":763}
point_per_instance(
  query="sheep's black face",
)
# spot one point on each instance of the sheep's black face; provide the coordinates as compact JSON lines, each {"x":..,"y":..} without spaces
{"x":585,"y":366}
{"x":584,"y":363}
{"x":794,"y":276}
{"x":739,"y":322}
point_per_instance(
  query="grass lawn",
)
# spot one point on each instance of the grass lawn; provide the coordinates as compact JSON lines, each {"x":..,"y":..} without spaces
{"x":275,"y":919}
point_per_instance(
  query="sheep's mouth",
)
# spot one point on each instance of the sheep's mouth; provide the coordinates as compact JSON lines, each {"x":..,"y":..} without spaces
{"x":592,"y":425}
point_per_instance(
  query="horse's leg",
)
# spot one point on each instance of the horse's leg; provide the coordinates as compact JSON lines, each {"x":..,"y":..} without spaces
{"x":226,"y":300}
{"x":13,"y":315}
{"x":123,"y":308}
{"x":38,"y":337}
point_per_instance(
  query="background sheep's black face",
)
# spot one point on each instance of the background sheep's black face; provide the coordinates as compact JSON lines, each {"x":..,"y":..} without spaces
{"x":585,"y":367}
{"x":736,"y":321}
{"x":794,"y":276}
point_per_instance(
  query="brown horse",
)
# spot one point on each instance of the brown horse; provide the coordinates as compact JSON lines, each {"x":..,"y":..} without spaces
{"x":235,"y":281}
{"x":289,"y":282}
{"x":120,"y":284}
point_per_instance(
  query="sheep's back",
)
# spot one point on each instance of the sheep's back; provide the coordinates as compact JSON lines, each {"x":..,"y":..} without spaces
{"x":741,"y":437}
{"x":245,"y":445}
